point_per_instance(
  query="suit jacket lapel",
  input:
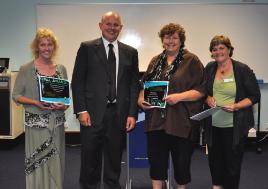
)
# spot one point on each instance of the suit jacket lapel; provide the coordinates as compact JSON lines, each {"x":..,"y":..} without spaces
{"x":100,"y":51}
{"x":122,"y":57}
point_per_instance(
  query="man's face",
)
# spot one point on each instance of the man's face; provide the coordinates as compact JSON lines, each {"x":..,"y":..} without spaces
{"x":110,"y":27}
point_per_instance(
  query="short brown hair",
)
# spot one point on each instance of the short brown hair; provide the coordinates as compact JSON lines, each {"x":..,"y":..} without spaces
{"x":44,"y":33}
{"x":221,"y":39}
{"x":172,"y":28}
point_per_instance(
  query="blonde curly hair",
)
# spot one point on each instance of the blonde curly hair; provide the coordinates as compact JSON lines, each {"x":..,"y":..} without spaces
{"x":40,"y":34}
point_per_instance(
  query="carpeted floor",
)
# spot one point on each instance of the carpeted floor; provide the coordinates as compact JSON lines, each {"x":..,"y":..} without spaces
{"x":254,"y":171}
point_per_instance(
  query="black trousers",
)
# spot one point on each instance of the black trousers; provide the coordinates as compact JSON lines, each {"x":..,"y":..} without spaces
{"x":101,"y":149}
{"x":160,"y":145}
{"x":225,"y":159}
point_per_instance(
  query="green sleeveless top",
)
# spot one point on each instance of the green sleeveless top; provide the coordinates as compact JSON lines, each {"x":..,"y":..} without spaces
{"x":224,"y":92}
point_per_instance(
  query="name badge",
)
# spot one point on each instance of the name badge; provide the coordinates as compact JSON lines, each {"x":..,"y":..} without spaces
{"x":228,"y":80}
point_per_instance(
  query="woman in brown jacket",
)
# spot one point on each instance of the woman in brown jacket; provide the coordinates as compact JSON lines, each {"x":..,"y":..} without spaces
{"x":170,"y":130}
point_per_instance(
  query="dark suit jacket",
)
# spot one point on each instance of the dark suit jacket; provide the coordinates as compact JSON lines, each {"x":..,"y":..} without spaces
{"x":90,"y":81}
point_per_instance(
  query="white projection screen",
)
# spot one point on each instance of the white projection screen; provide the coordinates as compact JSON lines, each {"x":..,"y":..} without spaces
{"x":245,"y":24}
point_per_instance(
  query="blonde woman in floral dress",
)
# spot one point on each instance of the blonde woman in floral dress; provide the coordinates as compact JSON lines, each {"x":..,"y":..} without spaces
{"x":44,"y":123}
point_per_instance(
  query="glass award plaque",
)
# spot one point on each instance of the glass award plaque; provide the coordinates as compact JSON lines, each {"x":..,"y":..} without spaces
{"x":154,"y":92}
{"x":205,"y":113}
{"x":54,"y":90}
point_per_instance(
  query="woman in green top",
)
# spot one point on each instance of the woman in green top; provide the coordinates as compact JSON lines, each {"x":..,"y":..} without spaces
{"x":231,"y":85}
{"x":44,"y":122}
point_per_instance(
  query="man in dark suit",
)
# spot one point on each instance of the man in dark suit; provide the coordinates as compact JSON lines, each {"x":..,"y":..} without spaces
{"x":105,"y":102}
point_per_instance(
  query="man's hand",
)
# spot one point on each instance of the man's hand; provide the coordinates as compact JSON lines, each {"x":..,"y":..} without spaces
{"x":84,"y":119}
{"x":131,"y":122}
